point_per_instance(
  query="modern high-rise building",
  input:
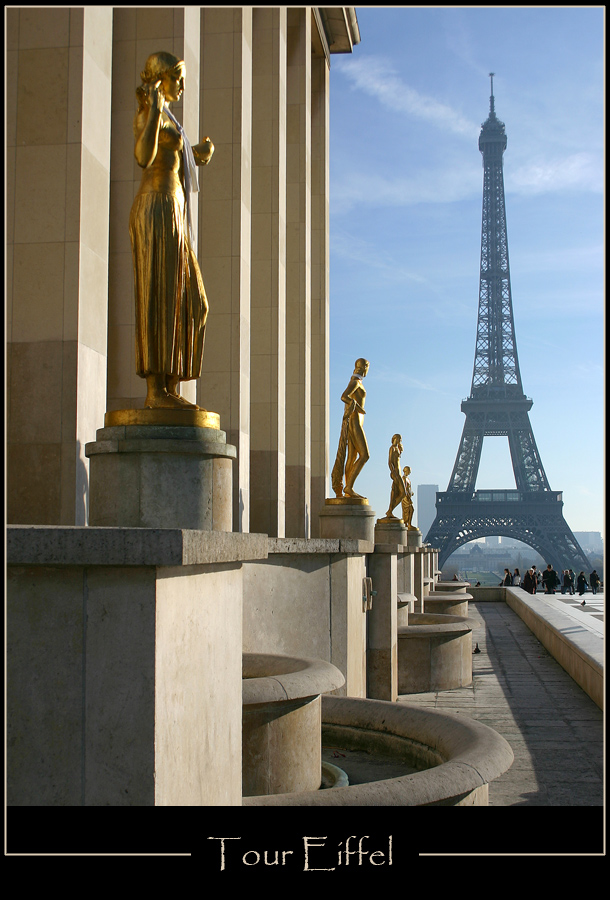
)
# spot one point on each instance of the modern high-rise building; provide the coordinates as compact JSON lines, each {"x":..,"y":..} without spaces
{"x":425,"y":509}
{"x":590,"y":541}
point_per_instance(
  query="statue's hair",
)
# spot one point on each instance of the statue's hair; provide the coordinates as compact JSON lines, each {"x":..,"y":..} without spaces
{"x":361,"y":363}
{"x":156,"y":67}
{"x":158,"y":64}
{"x":396,"y":437}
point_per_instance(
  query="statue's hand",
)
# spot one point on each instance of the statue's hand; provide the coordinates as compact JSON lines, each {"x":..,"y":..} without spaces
{"x":156,"y":97}
{"x":203,"y":152}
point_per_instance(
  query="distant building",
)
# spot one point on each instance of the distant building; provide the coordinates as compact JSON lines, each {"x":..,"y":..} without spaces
{"x":425,"y":511}
{"x":590,"y":541}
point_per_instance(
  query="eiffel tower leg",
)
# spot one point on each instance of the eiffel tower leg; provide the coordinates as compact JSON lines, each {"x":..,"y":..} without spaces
{"x":527,"y":465}
{"x":466,"y":468}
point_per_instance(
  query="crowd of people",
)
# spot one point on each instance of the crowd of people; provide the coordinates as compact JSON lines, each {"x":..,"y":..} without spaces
{"x":549,"y":581}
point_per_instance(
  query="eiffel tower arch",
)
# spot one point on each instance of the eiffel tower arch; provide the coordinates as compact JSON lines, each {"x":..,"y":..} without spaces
{"x":497,"y":405}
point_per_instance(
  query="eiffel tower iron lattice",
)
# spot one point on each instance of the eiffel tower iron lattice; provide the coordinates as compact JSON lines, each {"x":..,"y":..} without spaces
{"x":497,"y":406}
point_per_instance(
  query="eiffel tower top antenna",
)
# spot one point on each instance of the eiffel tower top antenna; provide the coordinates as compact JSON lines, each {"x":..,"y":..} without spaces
{"x":491,"y":99}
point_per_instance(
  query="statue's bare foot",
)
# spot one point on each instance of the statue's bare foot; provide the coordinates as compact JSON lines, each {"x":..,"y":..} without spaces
{"x":165,"y":400}
{"x":173,"y":385}
{"x":182,"y":401}
{"x":349,"y":492}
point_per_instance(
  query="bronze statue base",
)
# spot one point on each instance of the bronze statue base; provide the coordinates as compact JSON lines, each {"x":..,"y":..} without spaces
{"x":347,"y":501}
{"x":200,"y":418}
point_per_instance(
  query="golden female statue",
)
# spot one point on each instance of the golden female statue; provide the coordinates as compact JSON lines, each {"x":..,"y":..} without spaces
{"x":407,"y":503}
{"x":353,"y":439}
{"x":398,"y":491}
{"x":171,"y":304}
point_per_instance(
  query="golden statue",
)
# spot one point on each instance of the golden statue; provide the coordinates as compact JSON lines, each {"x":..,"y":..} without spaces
{"x":171,"y":304}
{"x":407,"y":503}
{"x":397,"y":494}
{"x":352,"y":442}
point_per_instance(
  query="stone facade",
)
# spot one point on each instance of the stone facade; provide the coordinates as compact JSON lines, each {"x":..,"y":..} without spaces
{"x":125,"y":641}
{"x":258,"y":84}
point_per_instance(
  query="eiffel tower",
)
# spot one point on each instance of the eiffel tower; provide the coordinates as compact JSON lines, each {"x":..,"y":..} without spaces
{"x":497,"y":406}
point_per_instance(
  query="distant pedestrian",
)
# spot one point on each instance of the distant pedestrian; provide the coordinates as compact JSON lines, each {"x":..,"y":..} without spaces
{"x":581,"y":585}
{"x":572,"y":579}
{"x":566,"y":582}
{"x":594,"y":581}
{"x":516,"y":578}
{"x":550,"y":579}
{"x":508,"y":578}
{"x":536,"y":577}
{"x":529,"y":582}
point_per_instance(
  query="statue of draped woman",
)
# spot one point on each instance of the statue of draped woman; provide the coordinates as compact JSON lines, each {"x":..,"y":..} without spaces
{"x":170,"y":298}
{"x":353,"y":451}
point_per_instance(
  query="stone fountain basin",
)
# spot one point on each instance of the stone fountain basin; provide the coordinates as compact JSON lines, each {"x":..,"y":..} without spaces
{"x":434,"y":653}
{"x":451,"y":603}
{"x":454,"y":586}
{"x":457,"y":757}
{"x":281,"y":722}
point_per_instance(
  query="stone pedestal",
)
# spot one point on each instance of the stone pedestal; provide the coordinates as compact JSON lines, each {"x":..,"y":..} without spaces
{"x":414,"y":538}
{"x":161,"y":469}
{"x":347,"y":518}
{"x":391,"y":531}
{"x":124,"y":665}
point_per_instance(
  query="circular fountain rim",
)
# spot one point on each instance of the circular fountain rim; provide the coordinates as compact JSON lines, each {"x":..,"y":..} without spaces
{"x":286,"y":678}
{"x":475,"y":754}
{"x":435,"y":623}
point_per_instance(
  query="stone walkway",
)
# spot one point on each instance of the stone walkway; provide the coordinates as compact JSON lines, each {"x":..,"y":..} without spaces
{"x":553,"y":727}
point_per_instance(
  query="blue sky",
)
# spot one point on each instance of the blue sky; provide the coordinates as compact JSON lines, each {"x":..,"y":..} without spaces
{"x":406,"y":183}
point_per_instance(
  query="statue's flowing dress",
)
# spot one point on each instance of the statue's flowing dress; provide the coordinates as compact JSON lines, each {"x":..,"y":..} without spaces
{"x":171,"y":303}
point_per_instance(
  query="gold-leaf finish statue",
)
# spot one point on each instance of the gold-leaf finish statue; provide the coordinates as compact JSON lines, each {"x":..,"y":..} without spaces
{"x":353,"y":450}
{"x":171,"y":303}
{"x":407,"y":503}
{"x":397,"y":493}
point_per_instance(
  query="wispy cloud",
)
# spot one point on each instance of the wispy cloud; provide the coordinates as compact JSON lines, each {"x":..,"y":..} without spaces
{"x":577,"y":172}
{"x":438,"y":185}
{"x":376,"y":77}
{"x":391,"y":375}
{"x":367,"y":254}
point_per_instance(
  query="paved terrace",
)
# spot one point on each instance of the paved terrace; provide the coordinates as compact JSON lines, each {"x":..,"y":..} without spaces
{"x":520,"y":690}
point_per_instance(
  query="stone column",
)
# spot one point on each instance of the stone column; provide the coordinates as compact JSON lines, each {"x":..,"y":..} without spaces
{"x":406,"y":579}
{"x":224,"y":232}
{"x":58,"y":162}
{"x":319,"y":287}
{"x":268,"y":348}
{"x":418,"y":579}
{"x":298,"y":275}
{"x":348,"y":622}
{"x":382,"y":653}
{"x":137,"y":33}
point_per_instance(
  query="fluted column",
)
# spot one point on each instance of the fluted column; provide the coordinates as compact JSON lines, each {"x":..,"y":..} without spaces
{"x":298,"y":275}
{"x":268,"y":332}
{"x":224,"y":232}
{"x":58,"y":161}
{"x":319,"y":286}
